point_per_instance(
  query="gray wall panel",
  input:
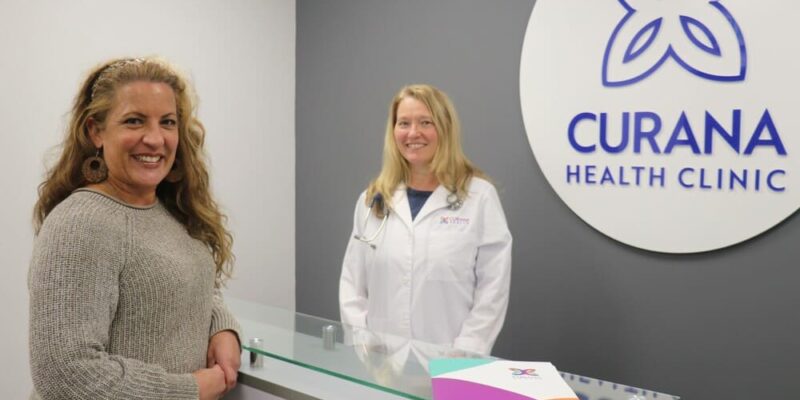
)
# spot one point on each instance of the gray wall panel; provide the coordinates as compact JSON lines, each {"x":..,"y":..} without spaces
{"x":706,"y":326}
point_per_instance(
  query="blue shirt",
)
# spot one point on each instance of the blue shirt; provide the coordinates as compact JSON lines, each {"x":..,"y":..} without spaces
{"x":416,"y":199}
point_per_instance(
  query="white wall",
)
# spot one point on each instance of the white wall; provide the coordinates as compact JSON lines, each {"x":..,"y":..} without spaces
{"x":241,"y":55}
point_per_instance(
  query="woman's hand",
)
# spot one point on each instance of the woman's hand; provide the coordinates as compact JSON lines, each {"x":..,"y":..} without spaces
{"x":210,"y":382}
{"x":224,"y":350}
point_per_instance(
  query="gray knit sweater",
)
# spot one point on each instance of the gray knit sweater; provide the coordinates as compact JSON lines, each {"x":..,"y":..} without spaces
{"x":122,"y":303}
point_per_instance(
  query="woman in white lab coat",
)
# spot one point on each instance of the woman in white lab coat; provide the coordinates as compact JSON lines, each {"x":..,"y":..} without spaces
{"x":430,"y":254}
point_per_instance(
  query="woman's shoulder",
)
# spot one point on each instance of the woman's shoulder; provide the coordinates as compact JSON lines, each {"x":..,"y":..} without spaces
{"x":81,"y":227}
{"x":480,"y":185}
{"x":84,"y":210}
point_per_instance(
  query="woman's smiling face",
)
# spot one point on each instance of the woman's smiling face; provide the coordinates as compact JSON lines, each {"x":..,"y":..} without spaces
{"x":415,"y":133}
{"x":139,"y":139}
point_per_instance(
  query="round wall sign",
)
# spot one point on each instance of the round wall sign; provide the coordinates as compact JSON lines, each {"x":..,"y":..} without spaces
{"x":670,"y":126}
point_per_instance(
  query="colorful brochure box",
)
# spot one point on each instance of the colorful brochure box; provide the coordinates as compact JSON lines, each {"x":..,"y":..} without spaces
{"x":484,"y":379}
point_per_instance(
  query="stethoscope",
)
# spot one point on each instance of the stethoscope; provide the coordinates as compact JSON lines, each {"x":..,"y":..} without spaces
{"x":453,"y":203}
{"x":368,"y":240}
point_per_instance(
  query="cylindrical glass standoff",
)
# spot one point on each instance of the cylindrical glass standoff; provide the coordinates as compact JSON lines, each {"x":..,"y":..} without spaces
{"x":328,"y":337}
{"x":256,"y":360}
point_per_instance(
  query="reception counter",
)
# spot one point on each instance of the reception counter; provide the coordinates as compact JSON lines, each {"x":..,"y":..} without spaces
{"x":298,"y":356}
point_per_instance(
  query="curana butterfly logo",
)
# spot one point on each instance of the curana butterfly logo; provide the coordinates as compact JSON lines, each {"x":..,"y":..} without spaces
{"x":527,"y":371}
{"x":705,"y":40}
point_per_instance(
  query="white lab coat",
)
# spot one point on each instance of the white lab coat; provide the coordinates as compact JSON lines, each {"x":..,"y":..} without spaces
{"x":442,"y":278}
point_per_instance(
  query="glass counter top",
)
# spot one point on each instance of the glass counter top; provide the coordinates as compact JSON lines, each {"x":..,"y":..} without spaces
{"x":383,"y":362}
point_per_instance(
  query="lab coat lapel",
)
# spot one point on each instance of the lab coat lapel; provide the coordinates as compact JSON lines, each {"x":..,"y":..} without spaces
{"x":437,"y":201}
{"x":400,"y":206}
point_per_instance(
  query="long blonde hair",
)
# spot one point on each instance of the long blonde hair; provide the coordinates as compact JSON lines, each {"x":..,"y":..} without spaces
{"x":449,"y":164}
{"x":189,"y":200}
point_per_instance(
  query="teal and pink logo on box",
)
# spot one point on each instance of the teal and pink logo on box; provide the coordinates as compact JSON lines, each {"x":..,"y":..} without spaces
{"x":480,"y":379}
{"x":523,"y":372}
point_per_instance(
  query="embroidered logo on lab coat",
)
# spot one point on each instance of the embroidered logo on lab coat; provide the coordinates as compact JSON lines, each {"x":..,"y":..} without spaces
{"x":445,"y":220}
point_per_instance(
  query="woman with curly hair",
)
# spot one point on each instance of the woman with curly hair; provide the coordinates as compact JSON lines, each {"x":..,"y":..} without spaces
{"x":131,"y":248}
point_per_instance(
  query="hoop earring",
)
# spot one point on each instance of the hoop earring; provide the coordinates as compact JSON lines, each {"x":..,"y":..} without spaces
{"x":176,"y":174}
{"x":94,"y":168}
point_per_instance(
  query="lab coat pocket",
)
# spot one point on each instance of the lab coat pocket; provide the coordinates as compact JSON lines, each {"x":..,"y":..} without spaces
{"x":451,"y":255}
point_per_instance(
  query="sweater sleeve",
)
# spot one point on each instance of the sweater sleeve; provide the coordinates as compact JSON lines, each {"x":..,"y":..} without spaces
{"x":221,"y":317}
{"x":74,"y":289}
